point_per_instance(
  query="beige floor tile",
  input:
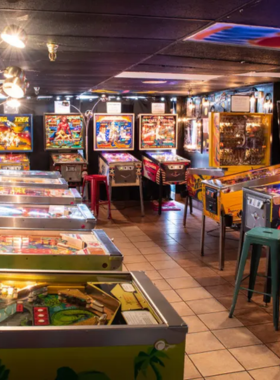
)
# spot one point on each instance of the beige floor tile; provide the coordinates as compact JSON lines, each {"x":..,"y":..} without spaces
{"x":265,"y":332}
{"x":161,"y":284}
{"x":158,"y":257}
{"x":171,"y":273}
{"x":236,"y":337}
{"x":171,"y":264}
{"x":253,"y":316}
{"x":202,"y":342}
{"x":183,"y":283}
{"x":137,"y":239}
{"x":207,"y":306}
{"x":144,"y":244}
{"x":220,"y":290}
{"x":194,"y":324}
{"x":216,"y":363}
{"x":140,"y":266}
{"x":134,"y":259}
{"x":171,"y":295}
{"x":191,"y":294}
{"x":151,"y":250}
{"x":254,"y":357}
{"x":275,"y":347}
{"x":124,"y":245}
{"x":218,"y":321}
{"x":270,"y":373}
{"x":211,"y":281}
{"x":190,"y":372}
{"x":231,"y":376}
{"x":130,"y":251}
{"x":153,"y":274}
{"x":182,"y":308}
{"x":201,"y":272}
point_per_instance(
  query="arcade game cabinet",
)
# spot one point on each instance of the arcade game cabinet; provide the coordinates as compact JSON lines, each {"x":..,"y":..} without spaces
{"x":114,"y":136}
{"x":158,"y":133}
{"x":16,"y":136}
{"x":65,"y":133}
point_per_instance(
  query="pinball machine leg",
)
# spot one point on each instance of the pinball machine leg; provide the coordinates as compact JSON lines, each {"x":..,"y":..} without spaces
{"x":191,"y":205}
{"x":222,"y":243}
{"x":202,"y":236}
{"x":160,"y":195}
{"x":141,"y":196}
{"x":110,"y":198}
{"x":185,"y":211}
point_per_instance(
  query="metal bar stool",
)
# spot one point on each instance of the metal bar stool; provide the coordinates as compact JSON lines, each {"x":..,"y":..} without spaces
{"x":259,"y":237}
{"x":95,"y":180}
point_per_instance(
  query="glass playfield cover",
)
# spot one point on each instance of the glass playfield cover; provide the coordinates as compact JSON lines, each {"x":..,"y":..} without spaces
{"x":113,"y":132}
{"x":16,"y":133}
{"x":157,"y":131}
{"x":63,"y":131}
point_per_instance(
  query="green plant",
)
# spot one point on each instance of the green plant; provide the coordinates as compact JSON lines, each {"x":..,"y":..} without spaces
{"x":151,"y":359}
{"x":66,"y":373}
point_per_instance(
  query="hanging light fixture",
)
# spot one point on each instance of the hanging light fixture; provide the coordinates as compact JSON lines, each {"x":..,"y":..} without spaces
{"x":13,"y":71}
{"x":15,"y":87}
{"x":14,"y":36}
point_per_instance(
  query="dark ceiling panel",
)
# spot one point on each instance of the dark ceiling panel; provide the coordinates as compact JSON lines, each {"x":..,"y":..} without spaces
{"x":261,"y":13}
{"x":223,"y":52}
{"x":75,"y":24}
{"x":160,"y":8}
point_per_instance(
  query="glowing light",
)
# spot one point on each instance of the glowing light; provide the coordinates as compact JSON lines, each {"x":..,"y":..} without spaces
{"x":14,"y":36}
{"x":13,"y":103}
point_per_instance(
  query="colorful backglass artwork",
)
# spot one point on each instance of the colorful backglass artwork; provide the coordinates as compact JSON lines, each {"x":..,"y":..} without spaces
{"x":16,"y":133}
{"x":64,"y":131}
{"x":113,"y":132}
{"x":157,"y":131}
{"x":244,"y":35}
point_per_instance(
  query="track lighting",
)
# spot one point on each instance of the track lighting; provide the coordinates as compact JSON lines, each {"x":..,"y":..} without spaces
{"x":13,"y":71}
{"x":14,"y":36}
{"x":15,"y":87}
{"x":52,"y":49}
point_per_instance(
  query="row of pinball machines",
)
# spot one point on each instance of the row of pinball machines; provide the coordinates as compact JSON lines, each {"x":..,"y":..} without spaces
{"x":65,"y":305}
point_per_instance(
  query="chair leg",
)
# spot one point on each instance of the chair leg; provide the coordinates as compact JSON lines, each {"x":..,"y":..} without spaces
{"x":255,"y":260}
{"x":92,"y":196}
{"x":185,"y":211}
{"x":108,"y":191}
{"x":141,"y":196}
{"x":244,"y":255}
{"x":202,"y":236}
{"x":241,"y":240}
{"x":275,"y":286}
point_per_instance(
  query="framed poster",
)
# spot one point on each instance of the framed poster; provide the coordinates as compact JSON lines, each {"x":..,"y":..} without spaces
{"x":63,"y":131}
{"x":240,"y":103}
{"x":16,"y":133}
{"x":158,"y":108}
{"x":113,"y":132}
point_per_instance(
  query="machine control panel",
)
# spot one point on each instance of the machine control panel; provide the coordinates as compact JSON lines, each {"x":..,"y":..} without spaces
{"x":175,"y":167}
{"x":211,"y":200}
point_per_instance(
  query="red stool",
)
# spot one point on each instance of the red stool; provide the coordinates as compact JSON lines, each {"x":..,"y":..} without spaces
{"x":95,"y":181}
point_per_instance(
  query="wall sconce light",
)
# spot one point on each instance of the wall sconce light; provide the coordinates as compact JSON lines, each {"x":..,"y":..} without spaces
{"x":14,"y":36}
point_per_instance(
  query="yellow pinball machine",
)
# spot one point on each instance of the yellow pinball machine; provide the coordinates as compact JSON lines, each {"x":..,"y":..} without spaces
{"x":222,"y":199}
{"x":239,"y":141}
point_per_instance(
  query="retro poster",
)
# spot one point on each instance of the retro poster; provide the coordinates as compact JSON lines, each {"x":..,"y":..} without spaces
{"x":113,"y":132}
{"x":158,"y":131}
{"x":63,"y":131}
{"x":16,"y":133}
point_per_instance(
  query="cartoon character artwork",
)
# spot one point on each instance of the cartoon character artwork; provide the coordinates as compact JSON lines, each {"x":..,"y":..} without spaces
{"x":16,"y":133}
{"x":113,"y":132}
{"x":158,"y":131}
{"x":64,"y":131}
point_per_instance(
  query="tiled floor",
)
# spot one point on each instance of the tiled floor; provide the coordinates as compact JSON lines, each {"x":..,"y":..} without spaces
{"x":217,"y":348}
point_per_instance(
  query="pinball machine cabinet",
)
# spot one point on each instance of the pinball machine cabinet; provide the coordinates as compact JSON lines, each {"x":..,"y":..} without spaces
{"x":239,"y":141}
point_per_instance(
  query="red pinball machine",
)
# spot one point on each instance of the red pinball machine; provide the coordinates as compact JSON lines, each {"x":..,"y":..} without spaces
{"x":158,"y":135}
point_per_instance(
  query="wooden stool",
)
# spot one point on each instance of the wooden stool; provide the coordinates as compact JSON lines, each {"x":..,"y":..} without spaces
{"x":259,"y":237}
{"x":95,"y":181}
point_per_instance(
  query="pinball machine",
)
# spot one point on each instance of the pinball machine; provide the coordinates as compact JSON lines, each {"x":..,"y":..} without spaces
{"x":16,"y":139}
{"x":32,"y":181}
{"x":64,"y":136}
{"x":239,"y":141}
{"x":29,"y":173}
{"x":105,"y":325}
{"x":58,"y":250}
{"x":158,"y":134}
{"x":39,"y":216}
{"x":39,"y":195}
{"x":114,"y":136}
{"x":222,"y":199}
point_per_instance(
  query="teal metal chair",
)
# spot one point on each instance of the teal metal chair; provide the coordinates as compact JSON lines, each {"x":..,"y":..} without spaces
{"x":259,"y":237}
